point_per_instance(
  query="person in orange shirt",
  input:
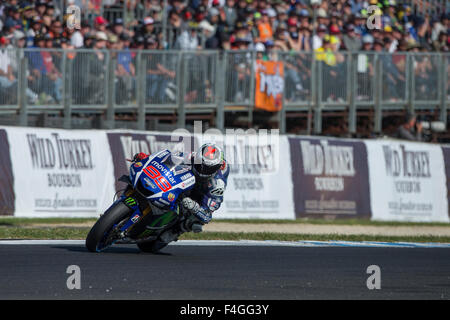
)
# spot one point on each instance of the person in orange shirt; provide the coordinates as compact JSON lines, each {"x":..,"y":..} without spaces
{"x":263,"y":25}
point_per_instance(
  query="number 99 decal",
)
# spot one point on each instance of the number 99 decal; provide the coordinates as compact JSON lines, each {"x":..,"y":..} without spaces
{"x":156,"y":176}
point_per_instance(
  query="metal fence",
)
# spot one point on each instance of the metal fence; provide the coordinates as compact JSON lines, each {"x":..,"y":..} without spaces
{"x":112,"y":82}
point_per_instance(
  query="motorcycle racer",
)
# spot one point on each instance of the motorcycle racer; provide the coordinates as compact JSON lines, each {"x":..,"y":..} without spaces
{"x":211,"y":172}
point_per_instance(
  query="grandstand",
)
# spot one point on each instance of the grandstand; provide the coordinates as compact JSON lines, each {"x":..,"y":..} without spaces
{"x":305,"y":67}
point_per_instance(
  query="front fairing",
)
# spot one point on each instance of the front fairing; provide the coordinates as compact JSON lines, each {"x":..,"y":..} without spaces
{"x":161,"y":180}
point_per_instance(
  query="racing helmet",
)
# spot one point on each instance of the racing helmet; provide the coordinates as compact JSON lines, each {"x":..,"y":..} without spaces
{"x":207,"y":161}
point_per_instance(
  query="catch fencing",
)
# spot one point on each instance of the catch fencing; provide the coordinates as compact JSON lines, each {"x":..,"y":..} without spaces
{"x":116,"y":82}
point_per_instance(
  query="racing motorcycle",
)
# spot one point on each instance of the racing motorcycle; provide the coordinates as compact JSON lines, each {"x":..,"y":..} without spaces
{"x":148,"y":208}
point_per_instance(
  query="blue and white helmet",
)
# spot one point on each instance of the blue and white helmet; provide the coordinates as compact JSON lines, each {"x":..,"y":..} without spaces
{"x":207,"y":161}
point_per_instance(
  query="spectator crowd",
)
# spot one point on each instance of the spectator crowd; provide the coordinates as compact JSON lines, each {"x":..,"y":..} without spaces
{"x":328,"y":28}
{"x":225,"y":24}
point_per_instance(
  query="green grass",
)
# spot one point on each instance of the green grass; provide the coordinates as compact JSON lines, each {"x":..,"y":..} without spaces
{"x":350,"y":222}
{"x":28,"y":228}
{"x":43,"y":233}
{"x":81,"y":233}
{"x":14,"y":221}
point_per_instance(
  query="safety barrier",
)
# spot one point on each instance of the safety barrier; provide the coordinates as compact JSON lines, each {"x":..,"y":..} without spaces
{"x":56,"y":172}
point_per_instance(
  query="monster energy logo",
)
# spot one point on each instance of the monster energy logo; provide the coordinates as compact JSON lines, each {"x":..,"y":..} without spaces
{"x":130,"y":202}
{"x":160,"y":222}
{"x":146,"y":233}
{"x":163,"y":220}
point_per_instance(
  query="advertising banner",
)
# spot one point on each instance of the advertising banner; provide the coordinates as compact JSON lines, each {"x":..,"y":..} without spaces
{"x":330,"y":178}
{"x":446,"y":151}
{"x":73,"y":173}
{"x":6,"y":177}
{"x":65,"y":173}
{"x":269,"y":85}
{"x":259,"y":184}
{"x":407,"y":181}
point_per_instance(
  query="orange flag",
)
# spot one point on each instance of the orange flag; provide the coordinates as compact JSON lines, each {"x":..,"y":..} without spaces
{"x":269,"y":85}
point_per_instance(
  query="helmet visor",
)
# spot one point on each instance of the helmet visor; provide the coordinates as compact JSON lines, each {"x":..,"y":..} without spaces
{"x":205,"y":170}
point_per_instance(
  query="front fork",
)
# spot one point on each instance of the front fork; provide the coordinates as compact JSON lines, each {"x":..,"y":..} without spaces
{"x":130,"y":201}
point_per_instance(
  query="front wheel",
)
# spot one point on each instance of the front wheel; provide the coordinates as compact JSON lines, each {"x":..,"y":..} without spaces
{"x":100,"y":237}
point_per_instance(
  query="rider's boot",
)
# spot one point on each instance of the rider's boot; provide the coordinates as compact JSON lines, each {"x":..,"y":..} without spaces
{"x":197,"y":227}
{"x":169,"y":236}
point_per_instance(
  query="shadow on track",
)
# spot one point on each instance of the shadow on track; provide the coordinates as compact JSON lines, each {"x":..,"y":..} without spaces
{"x":118,"y":249}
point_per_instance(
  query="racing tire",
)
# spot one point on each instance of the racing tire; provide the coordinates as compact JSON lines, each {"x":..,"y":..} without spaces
{"x":104,"y":225}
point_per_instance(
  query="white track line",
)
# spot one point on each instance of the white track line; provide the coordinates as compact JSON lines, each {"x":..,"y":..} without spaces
{"x":252,"y":243}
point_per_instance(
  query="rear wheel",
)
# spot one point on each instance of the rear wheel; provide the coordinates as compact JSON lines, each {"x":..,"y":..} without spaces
{"x":100,"y":236}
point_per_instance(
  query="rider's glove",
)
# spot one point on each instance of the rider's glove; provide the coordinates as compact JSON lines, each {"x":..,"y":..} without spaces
{"x":194,"y":208}
{"x":139,"y":156}
{"x":190,"y":205}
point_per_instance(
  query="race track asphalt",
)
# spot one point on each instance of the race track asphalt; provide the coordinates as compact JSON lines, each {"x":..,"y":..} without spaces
{"x":223,"y":272}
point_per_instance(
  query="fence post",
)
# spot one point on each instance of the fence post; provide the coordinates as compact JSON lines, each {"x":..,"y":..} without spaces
{"x":110,"y":92}
{"x":411,"y":82}
{"x":67,"y":90}
{"x":443,"y":90}
{"x":181,"y":117}
{"x":282,"y":117}
{"x":251,"y":107}
{"x":313,"y":101}
{"x":22,"y":98}
{"x":282,"y":112}
{"x":140,"y":90}
{"x":318,"y":107}
{"x":352,"y":92}
{"x":220,"y":90}
{"x":378,"y":94}
{"x":407,"y":82}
